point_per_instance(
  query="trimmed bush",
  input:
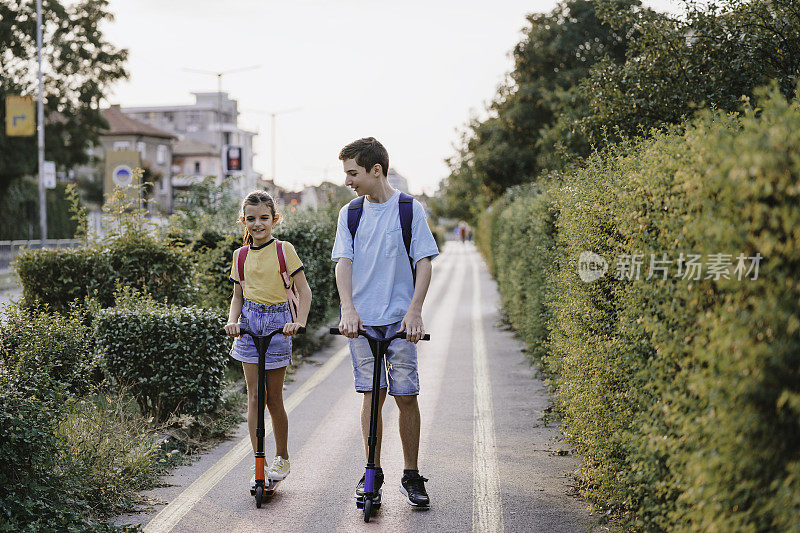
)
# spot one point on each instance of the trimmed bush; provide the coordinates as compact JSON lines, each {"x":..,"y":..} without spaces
{"x":53,"y":350}
{"x":681,"y":394}
{"x":170,"y":358}
{"x":58,"y":277}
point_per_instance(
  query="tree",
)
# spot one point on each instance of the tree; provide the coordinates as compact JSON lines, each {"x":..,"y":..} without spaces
{"x":79,"y":67}
{"x":532,"y":121}
{"x":711,"y":57}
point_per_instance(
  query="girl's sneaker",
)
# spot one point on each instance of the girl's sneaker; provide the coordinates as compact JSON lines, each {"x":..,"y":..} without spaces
{"x":279,"y":469}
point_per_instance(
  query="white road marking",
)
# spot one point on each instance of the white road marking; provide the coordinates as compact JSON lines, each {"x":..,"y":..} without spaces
{"x":170,"y":515}
{"x":487,"y":510}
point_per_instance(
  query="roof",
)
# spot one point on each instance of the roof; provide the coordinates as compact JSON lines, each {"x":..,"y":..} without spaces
{"x":121,"y":124}
{"x":188,"y":146}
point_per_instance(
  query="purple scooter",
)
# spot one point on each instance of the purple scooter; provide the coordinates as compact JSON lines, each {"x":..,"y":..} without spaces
{"x":372,"y":498}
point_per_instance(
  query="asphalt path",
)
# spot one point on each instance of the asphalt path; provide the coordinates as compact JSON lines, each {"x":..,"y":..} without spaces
{"x":494,"y":463}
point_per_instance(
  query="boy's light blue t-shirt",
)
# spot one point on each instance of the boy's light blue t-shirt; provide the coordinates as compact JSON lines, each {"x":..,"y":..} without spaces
{"x":382,"y":281}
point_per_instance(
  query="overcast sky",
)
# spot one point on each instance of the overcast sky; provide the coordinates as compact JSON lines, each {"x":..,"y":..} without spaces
{"x":410,"y":73}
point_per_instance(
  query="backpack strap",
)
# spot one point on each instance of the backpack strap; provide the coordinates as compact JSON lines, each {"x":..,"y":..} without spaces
{"x":406,"y":205}
{"x":291,"y":291}
{"x":240,"y":257}
{"x":354,"y":216}
{"x":282,"y":263}
{"x":406,"y":219}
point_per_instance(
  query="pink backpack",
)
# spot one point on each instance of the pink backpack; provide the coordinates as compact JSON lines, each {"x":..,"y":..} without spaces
{"x":288,"y":283}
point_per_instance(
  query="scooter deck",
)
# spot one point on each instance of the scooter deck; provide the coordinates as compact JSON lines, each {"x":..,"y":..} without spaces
{"x":269,"y":489}
{"x":376,"y":501}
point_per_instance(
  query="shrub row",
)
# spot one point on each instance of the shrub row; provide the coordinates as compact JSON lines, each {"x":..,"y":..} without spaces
{"x":170,"y":358}
{"x":51,"y":465}
{"x":58,"y":277}
{"x":682,"y":395}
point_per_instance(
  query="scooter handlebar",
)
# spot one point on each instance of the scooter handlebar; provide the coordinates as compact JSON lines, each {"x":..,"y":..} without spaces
{"x":399,"y":335}
{"x":243,"y":331}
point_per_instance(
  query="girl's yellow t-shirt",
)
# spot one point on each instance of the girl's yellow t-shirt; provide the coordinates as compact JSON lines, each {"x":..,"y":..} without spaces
{"x":262,"y":274}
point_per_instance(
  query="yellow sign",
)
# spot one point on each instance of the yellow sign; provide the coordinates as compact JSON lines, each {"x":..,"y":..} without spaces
{"x":120,"y":171}
{"x":20,"y":116}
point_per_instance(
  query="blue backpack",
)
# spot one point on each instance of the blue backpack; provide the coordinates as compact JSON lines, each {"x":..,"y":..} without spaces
{"x":406,"y":207}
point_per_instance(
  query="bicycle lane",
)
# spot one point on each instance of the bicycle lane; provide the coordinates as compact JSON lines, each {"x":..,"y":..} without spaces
{"x":327,"y":425}
{"x":535,"y":480}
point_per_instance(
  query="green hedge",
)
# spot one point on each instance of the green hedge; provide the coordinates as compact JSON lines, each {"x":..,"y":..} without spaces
{"x":57,"y":277}
{"x":170,"y":358}
{"x":19,"y":212}
{"x":52,"y":348}
{"x":46,"y":359}
{"x":683,"y":396}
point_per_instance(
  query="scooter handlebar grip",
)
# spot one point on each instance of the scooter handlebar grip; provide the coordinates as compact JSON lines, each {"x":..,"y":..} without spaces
{"x":335,"y":331}
{"x":426,"y":337}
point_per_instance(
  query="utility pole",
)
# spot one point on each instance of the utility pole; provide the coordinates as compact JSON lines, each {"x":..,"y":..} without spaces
{"x":40,"y":125}
{"x":219,"y":75}
{"x":273,"y":135}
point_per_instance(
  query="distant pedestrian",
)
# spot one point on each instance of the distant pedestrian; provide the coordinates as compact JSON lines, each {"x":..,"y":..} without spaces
{"x":379,"y":294}
{"x":261,"y":305}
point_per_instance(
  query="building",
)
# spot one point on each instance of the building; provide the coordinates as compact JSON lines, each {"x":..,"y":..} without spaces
{"x":397,"y":181}
{"x":153,"y":144}
{"x":211,"y":120}
{"x":193,"y":160}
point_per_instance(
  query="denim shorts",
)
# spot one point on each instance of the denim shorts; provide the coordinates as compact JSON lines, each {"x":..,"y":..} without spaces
{"x":262,"y":319}
{"x":401,"y":359}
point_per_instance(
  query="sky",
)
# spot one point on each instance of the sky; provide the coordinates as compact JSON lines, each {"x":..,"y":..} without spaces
{"x":410,"y":73}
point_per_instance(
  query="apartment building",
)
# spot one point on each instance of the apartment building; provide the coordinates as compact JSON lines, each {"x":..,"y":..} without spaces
{"x":212,"y":121}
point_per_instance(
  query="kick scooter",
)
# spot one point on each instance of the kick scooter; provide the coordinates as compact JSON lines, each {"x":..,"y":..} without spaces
{"x":261,"y":489}
{"x":371,"y":501}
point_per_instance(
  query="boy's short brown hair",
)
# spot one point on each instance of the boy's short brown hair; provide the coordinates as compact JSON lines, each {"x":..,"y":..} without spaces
{"x":367,"y":152}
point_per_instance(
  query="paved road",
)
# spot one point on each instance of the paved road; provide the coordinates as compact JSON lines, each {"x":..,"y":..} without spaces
{"x":491,"y":461}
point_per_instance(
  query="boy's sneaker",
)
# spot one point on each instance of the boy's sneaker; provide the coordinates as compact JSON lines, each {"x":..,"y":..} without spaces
{"x":378,"y":483}
{"x":279,"y":469}
{"x":413,"y":487}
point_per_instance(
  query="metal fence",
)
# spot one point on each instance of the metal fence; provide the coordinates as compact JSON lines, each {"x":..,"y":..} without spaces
{"x":10,"y":249}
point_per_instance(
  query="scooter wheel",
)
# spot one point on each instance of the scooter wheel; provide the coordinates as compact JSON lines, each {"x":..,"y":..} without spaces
{"x":367,"y":509}
{"x":259,"y":496}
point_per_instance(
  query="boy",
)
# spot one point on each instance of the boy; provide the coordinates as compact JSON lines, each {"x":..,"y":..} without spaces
{"x":379,"y":292}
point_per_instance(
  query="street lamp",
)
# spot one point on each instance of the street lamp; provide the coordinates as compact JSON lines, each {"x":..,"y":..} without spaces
{"x":273,"y":135}
{"x":219,"y":75}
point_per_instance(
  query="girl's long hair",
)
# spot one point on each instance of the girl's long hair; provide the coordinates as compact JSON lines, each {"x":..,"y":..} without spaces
{"x":256,"y":198}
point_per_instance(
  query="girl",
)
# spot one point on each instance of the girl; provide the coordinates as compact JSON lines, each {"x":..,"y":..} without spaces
{"x":262,"y":302}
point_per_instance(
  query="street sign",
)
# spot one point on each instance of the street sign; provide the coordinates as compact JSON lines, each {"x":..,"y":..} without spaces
{"x":49,"y":175}
{"x":20,"y":116}
{"x":233,"y":159}
{"x":120,"y":167}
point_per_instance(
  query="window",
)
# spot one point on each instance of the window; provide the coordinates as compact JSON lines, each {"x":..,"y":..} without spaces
{"x":142,"y":149}
{"x":161,"y":154}
{"x":197,"y":167}
{"x":122,"y":145}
